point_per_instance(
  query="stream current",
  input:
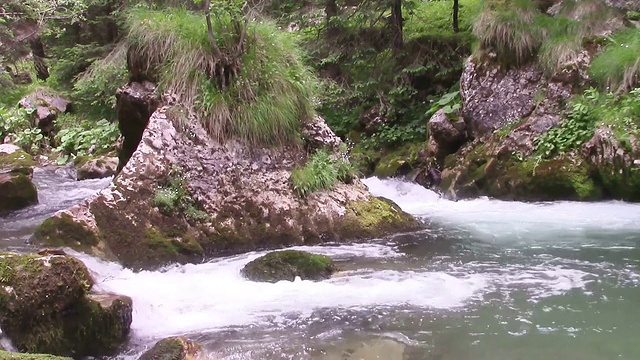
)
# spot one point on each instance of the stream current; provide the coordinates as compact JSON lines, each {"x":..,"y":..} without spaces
{"x":485,"y":280}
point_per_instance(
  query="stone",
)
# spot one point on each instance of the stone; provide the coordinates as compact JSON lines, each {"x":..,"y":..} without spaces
{"x":317,"y":134}
{"x":494,"y":96}
{"x":287,"y":265}
{"x":371,"y":120}
{"x":16,"y":192}
{"x":232,"y":198}
{"x":173,"y":348}
{"x":47,"y":106}
{"x":97,"y":168}
{"x":47,"y":307}
{"x":445,"y":137}
{"x":14,"y":160}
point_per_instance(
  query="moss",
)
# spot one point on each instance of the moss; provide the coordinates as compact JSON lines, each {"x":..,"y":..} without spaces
{"x":17,"y":162}
{"x":81,"y":160}
{"x":174,"y":348}
{"x":287,"y":265}
{"x":62,"y":230}
{"x":171,"y":247}
{"x":399,"y":161}
{"x":375,"y":217}
{"x":4,"y":355}
{"x":623,"y":184}
{"x":16,"y":192}
{"x":45,"y":307}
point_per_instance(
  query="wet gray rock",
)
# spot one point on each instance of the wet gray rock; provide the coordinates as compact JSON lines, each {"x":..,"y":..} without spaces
{"x":231,"y":197}
{"x":17,"y":191}
{"x":445,"y":137}
{"x":494,"y":97}
{"x":97,"y":168}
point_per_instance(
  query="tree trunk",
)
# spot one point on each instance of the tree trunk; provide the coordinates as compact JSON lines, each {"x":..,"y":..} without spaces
{"x":212,"y":39}
{"x":37,"y":50}
{"x":331,"y":9}
{"x":396,"y":27}
{"x":456,"y":7}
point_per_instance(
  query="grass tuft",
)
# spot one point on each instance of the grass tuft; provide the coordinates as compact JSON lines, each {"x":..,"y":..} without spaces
{"x":322,"y":172}
{"x":267,"y":92}
{"x":618,"y":66}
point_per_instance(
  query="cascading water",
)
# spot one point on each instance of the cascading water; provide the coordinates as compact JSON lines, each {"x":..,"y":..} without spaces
{"x":486,"y":279}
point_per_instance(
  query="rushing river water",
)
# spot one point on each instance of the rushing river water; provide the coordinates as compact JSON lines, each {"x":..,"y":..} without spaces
{"x":485,"y":280}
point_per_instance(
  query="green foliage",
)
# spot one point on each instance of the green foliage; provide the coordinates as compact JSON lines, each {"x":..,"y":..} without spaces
{"x":621,"y":114}
{"x":173,"y":198}
{"x":95,"y":89}
{"x":618,"y":66}
{"x":519,"y":32}
{"x":16,"y":122}
{"x":434,"y":17}
{"x":633,"y":15}
{"x":77,"y":138}
{"x":269,"y":89}
{"x":321,"y":172}
{"x":450,"y":103}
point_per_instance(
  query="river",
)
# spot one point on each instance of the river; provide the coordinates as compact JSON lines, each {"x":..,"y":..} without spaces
{"x":485,"y":280}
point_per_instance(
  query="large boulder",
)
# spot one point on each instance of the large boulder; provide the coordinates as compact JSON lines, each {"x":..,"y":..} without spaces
{"x":173,"y":348}
{"x":182,"y":196}
{"x":16,"y":188}
{"x":445,"y":136}
{"x":287,"y":265}
{"x":494,"y":96}
{"x":46,"y":306}
{"x":46,"y":106}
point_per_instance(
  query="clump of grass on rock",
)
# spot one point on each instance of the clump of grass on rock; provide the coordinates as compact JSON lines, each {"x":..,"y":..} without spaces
{"x":260,"y":95}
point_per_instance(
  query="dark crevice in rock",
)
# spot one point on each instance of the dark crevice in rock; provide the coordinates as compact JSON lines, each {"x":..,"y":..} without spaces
{"x":136,"y":102}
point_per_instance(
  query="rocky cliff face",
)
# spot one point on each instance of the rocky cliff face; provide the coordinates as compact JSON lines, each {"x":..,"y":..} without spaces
{"x":182,"y":197}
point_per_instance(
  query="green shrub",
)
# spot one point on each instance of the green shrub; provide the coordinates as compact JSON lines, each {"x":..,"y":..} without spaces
{"x":16,"y":122}
{"x":268,"y":95}
{"x":322,"y":171}
{"x":77,"y":138}
{"x":96,"y":88}
{"x":618,"y":66}
{"x":589,"y":111}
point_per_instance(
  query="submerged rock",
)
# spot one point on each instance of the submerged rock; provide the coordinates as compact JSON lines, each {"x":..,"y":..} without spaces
{"x":46,"y":307}
{"x":173,"y":348}
{"x":287,"y":265}
{"x":183,"y":196}
{"x":16,"y":188}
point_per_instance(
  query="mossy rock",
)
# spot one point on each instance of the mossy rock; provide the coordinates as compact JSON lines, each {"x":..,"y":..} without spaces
{"x":620,"y":183}
{"x":4,"y":355}
{"x":173,"y":348}
{"x":287,"y":265}
{"x":63,"y":231}
{"x":15,"y":160}
{"x":376,"y":217}
{"x":17,"y":191}
{"x":399,"y":161}
{"x":45,"y":307}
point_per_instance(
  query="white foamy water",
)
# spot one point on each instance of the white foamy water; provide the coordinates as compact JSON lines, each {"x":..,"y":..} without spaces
{"x":200,"y":298}
{"x":509,"y":218}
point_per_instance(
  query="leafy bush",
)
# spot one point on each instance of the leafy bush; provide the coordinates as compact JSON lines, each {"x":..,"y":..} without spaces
{"x":16,"y":122}
{"x":78,"y":139}
{"x":321,"y":172}
{"x":593,"y":109}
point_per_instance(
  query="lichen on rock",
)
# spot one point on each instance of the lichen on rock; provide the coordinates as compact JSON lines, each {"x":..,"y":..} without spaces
{"x":287,"y":265}
{"x":46,"y":307}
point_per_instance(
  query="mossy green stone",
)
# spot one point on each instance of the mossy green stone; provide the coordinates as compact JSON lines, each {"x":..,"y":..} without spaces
{"x":174,"y":348}
{"x":17,"y":162}
{"x":287,"y":265}
{"x":62,"y":230}
{"x":17,"y":191}
{"x":4,"y":355}
{"x":376,"y":217}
